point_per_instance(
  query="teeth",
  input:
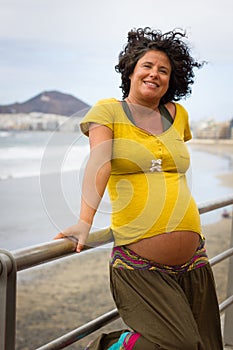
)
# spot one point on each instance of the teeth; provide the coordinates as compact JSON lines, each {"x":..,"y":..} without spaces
{"x":151,"y":84}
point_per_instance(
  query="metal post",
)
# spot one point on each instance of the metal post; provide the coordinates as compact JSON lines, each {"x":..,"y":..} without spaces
{"x":7,"y":300}
{"x":228,"y":334}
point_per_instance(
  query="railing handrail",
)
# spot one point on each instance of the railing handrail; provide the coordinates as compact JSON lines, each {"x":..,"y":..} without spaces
{"x":220,"y":257}
{"x":45,"y":252}
{"x":82,"y":331}
{"x":210,"y":205}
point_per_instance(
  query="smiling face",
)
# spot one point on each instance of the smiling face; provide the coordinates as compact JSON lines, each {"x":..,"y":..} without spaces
{"x":150,"y":79}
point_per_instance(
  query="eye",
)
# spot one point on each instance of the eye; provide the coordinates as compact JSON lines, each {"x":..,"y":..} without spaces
{"x":164,"y":71}
{"x":147,"y":65}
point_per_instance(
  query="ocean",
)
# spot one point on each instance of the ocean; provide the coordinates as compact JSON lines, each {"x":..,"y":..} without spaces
{"x":40,"y":184}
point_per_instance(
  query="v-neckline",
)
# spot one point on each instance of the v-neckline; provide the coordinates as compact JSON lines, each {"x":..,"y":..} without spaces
{"x":167,"y":119}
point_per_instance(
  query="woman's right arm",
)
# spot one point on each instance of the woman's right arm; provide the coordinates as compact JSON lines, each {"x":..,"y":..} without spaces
{"x":95,"y":180}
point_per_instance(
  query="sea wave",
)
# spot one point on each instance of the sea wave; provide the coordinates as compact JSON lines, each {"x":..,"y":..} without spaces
{"x":21,"y":153}
{"x":5,"y":133}
{"x":31,"y":161}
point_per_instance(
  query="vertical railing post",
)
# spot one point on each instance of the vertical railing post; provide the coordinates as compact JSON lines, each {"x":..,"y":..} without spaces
{"x":228,"y":322}
{"x":8,"y":271}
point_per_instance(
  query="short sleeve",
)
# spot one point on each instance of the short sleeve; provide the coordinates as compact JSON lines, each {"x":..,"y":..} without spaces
{"x":187,"y":131}
{"x":101,"y":113}
{"x":183,"y":122}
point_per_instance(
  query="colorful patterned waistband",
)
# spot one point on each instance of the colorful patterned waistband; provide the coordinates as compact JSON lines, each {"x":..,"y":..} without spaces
{"x":124,"y":258}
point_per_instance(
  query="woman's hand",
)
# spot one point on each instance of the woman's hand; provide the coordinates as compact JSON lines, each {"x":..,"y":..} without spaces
{"x":78,"y":233}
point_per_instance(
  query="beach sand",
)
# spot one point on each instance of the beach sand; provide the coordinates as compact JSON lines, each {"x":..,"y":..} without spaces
{"x":58,"y":297}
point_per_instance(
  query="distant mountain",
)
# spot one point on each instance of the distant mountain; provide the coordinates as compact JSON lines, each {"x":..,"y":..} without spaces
{"x":53,"y":102}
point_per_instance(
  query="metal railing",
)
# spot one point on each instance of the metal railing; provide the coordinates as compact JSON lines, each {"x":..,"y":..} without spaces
{"x":15,"y":261}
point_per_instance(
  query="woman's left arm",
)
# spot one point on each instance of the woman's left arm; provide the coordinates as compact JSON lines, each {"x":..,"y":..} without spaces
{"x":95,"y":180}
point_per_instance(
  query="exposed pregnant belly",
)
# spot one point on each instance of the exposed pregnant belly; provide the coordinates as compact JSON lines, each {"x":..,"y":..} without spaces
{"x":173,"y":248}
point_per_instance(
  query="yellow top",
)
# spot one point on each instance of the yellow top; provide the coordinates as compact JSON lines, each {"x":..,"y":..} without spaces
{"x":147,"y":187}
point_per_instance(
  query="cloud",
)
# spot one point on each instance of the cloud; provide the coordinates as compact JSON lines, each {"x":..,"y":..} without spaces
{"x":73,"y":45}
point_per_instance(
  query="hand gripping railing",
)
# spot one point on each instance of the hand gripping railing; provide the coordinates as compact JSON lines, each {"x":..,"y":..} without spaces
{"x":11,"y":262}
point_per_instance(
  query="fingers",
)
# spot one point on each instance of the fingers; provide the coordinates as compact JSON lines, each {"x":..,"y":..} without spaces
{"x":59,"y":235}
{"x":79,"y":247}
{"x":77,"y":233}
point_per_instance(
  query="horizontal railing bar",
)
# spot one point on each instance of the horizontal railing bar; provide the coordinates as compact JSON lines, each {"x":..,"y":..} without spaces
{"x":226,"y":303}
{"x":42,"y":253}
{"x":81,"y":332}
{"x":210,"y":205}
{"x":222,"y":256}
{"x":38,"y":254}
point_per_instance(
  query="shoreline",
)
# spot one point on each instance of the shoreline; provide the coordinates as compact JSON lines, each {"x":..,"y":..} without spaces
{"x":222,"y":147}
{"x":212,"y":141}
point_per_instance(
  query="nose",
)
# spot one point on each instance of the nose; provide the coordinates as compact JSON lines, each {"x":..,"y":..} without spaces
{"x":154,"y":72}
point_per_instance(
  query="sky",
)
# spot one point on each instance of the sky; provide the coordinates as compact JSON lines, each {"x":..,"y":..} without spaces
{"x":72,"y":46}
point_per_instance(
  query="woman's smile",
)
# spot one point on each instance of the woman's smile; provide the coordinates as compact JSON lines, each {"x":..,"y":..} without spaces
{"x":150,"y":84}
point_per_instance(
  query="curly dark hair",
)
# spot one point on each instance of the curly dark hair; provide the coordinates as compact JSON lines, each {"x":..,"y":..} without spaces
{"x":142,"y":40}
